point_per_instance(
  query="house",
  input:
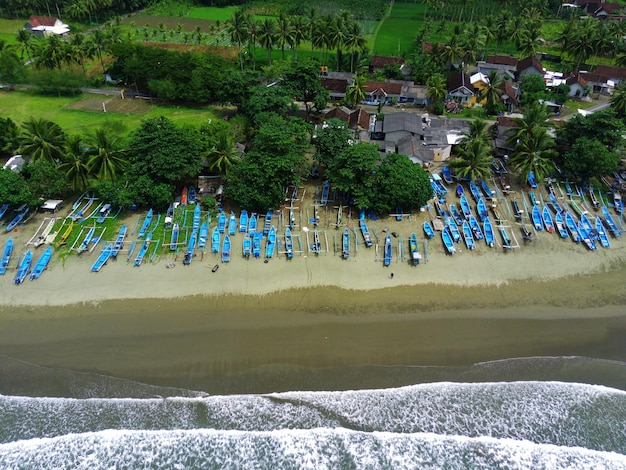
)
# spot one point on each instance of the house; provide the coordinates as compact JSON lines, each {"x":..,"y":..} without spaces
{"x":460,"y":89}
{"x":601,"y":10}
{"x":479,"y":81}
{"x":421,"y":153}
{"x":598,"y":83}
{"x":357,"y":119}
{"x":46,"y":25}
{"x":503,"y":128}
{"x":510,"y":95}
{"x":529,"y":66}
{"x":615,"y":74}
{"x":379,"y":62}
{"x":336,"y":87}
{"x":382,"y":91}
{"x":505,"y":65}
{"x":577,"y":85}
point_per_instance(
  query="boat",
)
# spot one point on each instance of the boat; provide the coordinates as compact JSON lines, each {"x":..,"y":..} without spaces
{"x":604,"y":239}
{"x":215,"y":241}
{"x":246,"y":246}
{"x":555,"y":204}
{"x":103,"y":258}
{"x":588,"y":226}
{"x":559,"y":223}
{"x":17,"y":219}
{"x":467,"y":236}
{"x":579,"y":211}
{"x":119,"y":241}
{"x":532,"y":182}
{"x":104,"y":213}
{"x":517,"y":212}
{"x":618,"y":204}
{"x":446,"y":237}
{"x":66,"y":234}
{"x":454,"y":229}
{"x":440,"y":189}
{"x":191,"y":247}
{"x":572,"y":227}
{"x":203,"y":235}
{"x":475,"y":226}
{"x":85,"y":244}
{"x":366,"y":233}
{"x":221,"y":222}
{"x":256,"y":244}
{"x":243,"y":221}
{"x":292,"y":217}
{"x":568,"y":189}
{"x":24,"y":267}
{"x":547,"y":220}
{"x":388,"y":251}
{"x":456,"y":214}
{"x":441,"y":212}
{"x":6,"y":255}
{"x":459,"y":190}
{"x":184,"y":197}
{"x":197,"y":213}
{"x":526,"y":235}
{"x":267,"y":224}
{"x":428,"y":230}
{"x":252,"y":224}
{"x":232,"y":224}
{"x":481,"y":210}
{"x":174,"y":237}
{"x":345,"y":244}
{"x":610,"y":222}
{"x":506,"y":241}
{"x":593,"y":198}
{"x":325,"y":192}
{"x":446,"y":174}
{"x":416,"y":256}
{"x":532,"y":198}
{"x":143,"y":250}
{"x":169,"y":216}
{"x":226,"y":249}
{"x":465,"y":207}
{"x":586,"y":237}
{"x":489,"y":194}
{"x":146,"y":224}
{"x":270,"y":244}
{"x":3,"y":210}
{"x":475,"y":191}
{"x":490,"y":239}
{"x":536,"y":217}
{"x":79,"y":215}
{"x":41,"y":264}
{"x":192,"y":197}
{"x":41,"y":239}
{"x":288,"y":243}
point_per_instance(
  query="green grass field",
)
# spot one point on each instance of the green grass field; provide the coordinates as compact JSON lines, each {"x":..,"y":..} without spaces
{"x":212,"y":13}
{"x":9,"y":29}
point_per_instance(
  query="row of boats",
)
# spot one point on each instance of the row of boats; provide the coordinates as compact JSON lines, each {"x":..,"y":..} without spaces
{"x":23,"y":267}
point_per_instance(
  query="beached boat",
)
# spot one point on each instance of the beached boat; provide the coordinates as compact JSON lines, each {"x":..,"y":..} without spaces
{"x":456,"y":214}
{"x":316,"y":246}
{"x":232,"y":224}
{"x":145,"y":225}
{"x":532,"y":182}
{"x":252,"y":224}
{"x":85,"y":243}
{"x":454,"y":229}
{"x":270,"y":244}
{"x":243,"y":221}
{"x":475,"y":192}
{"x":586,"y":237}
{"x":547,"y":220}
{"x":78,"y":217}
{"x":221,"y":222}
{"x":345,"y":244}
{"x":465,"y":207}
{"x":226,"y":249}
{"x":487,"y":191}
{"x":388,"y":251}
{"x":618,"y":204}
{"x":592,"y":197}
{"x":572,"y":227}
{"x":459,"y":190}
{"x":559,"y":223}
{"x":490,"y":238}
{"x":608,"y":219}
{"x":446,"y":174}
{"x":481,"y":210}
{"x":467,"y":236}
{"x":143,"y":250}
{"x":103,"y":258}
{"x":604,"y":239}
{"x":103,"y":213}
{"x":6,"y":256}
{"x":267,"y":224}
{"x":246,"y":245}
{"x":256,"y":244}
{"x":367,"y":238}
{"x":24,"y":267}
{"x":41,"y":264}
{"x":532,"y":198}
{"x":428,"y":230}
{"x":506,"y":241}
{"x":169,"y":216}
{"x":197,"y":214}
{"x":589,"y":227}
{"x":526,"y":234}
{"x":439,"y":209}
{"x":446,"y":237}
{"x":119,"y":241}
{"x":41,"y":239}
{"x":577,"y":209}
{"x":536,"y":217}
{"x":555,"y":204}
{"x":438,"y":187}
{"x":215,"y":241}
{"x":184,"y":197}
{"x":416,"y":256}
{"x":3,"y":210}
{"x":288,"y":243}
{"x":203,"y":235}
{"x":17,"y":219}
{"x":292,"y":217}
{"x":568,"y":189}
{"x":475,"y":226}
{"x":325,"y":192}
{"x":192,"y":197}
{"x":174,"y":237}
{"x":517,"y":212}
{"x":191,"y":247}
{"x":66,"y":234}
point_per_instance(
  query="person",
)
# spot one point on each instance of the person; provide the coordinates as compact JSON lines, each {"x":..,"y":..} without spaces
{"x":391,"y":276}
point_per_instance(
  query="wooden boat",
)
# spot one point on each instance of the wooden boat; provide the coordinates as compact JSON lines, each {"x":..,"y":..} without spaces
{"x":568,"y":189}
{"x":532,"y":182}
{"x":252,"y":224}
{"x":45,"y":233}
{"x":85,"y":244}
{"x":203,"y":235}
{"x":536,"y":217}
{"x":292,"y":218}
{"x":388,"y":251}
{"x":465,"y":207}
{"x":17,"y":219}
{"x":270,"y":244}
{"x":143,"y":250}
{"x":119,"y":241}
{"x":103,"y":258}
{"x":467,"y":236}
{"x":559,"y":223}
{"x":481,"y":210}
{"x":572,"y":227}
{"x":6,"y":255}
{"x":604,"y":239}
{"x":588,"y":226}
{"x":104,"y":213}
{"x":267,"y":224}
{"x":79,"y":201}
{"x":610,"y":222}
{"x":416,"y":256}
{"x":367,"y":238}
{"x":81,"y":213}
{"x":174,"y":237}
{"x":325,"y":192}
{"x":169,"y":216}
{"x":41,"y":264}
{"x":197,"y":214}
{"x":586,"y":237}
{"x":446,"y":174}
{"x":454,"y":229}
{"x":428,"y":230}
{"x":456,"y":215}
{"x":592,"y":197}
{"x":3,"y":209}
{"x":475,"y":191}
{"x":517,"y":212}
{"x":618,"y":205}
{"x":256,"y":244}
{"x":146,"y":224}
{"x":446,"y":237}
{"x":247,"y":245}
{"x":439,"y":209}
{"x":24,"y":267}
{"x":399,"y":215}
{"x":192,"y":197}
{"x":221,"y":222}
{"x":555,"y":204}
{"x":459,"y":190}
{"x":579,"y":211}
{"x":345,"y":244}
{"x":215,"y":241}
{"x":547,"y":220}
{"x":184,"y":197}
{"x":506,"y":241}
{"x":490,"y":238}
{"x":440,"y":189}
{"x":316,"y":246}
{"x":475,"y":226}
{"x":243,"y":221}
{"x":526,"y":234}
{"x":232,"y":224}
{"x":226,"y":249}
{"x":532,"y":198}
{"x":191,"y":247}
{"x":288,"y":243}
{"x":489,"y":194}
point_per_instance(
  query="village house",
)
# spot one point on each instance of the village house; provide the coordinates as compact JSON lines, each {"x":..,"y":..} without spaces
{"x":529,"y":66}
{"x":45,"y":25}
{"x":460,"y":89}
{"x":378,"y":63}
{"x":505,"y":65}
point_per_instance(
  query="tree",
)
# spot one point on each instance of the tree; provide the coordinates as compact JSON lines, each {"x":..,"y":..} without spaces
{"x":535,"y":116}
{"x":492,"y":93}
{"x":355,"y":42}
{"x":41,"y":139}
{"x":263,"y":98}
{"x":106,"y":156}
{"x":589,"y":158}
{"x":304,"y":84}
{"x":12,"y":69}
{"x":285,"y":34}
{"x":74,"y":163}
{"x":534,"y":152}
{"x":333,"y":137}
{"x":8,"y":136}
{"x":267,"y":36}
{"x":14,"y":190}
{"x":533,"y":89}
{"x":222,"y":154}
{"x":25,"y":41}
{"x":356,"y":92}
{"x":45,"y":179}
{"x":477,"y":131}
{"x":618,"y":101}
{"x":437,"y":88}
{"x":474,"y":161}
{"x":237,"y":29}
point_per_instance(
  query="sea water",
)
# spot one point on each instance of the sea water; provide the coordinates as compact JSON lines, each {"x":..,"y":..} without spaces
{"x":497,"y":424}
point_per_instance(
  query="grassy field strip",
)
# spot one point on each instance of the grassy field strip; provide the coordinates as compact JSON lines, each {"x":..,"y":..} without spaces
{"x":212,"y":13}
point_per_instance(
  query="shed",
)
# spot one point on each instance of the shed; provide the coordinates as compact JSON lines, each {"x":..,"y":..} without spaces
{"x":52,"y":205}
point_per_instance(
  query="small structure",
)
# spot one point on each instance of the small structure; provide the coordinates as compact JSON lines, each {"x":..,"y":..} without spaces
{"x":336,"y":87}
{"x":379,"y":62}
{"x":529,"y":66}
{"x":52,"y":205}
{"x":15,"y":163}
{"x":460,"y":89}
{"x":505,"y":65}
{"x":46,"y":25}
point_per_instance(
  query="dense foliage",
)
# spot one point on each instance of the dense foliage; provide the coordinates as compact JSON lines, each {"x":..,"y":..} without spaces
{"x":76,"y":9}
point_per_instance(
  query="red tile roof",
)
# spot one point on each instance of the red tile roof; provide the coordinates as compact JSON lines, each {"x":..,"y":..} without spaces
{"x":501,"y":60}
{"x":530,"y":61}
{"x":42,"y":20}
{"x":381,"y":61}
{"x":389,"y":88}
{"x":611,"y":71}
{"x":337,"y":85}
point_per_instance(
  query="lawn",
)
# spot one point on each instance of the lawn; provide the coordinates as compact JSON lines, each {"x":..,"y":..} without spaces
{"x":9,"y":29}
{"x":212,"y":13}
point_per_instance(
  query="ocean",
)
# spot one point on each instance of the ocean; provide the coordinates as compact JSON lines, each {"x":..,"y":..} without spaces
{"x":523,"y":413}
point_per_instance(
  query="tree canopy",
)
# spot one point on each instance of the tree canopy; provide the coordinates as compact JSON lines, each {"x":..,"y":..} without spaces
{"x":330,"y":140}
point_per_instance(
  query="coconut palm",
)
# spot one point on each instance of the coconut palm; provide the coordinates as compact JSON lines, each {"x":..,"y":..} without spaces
{"x":106,"y":156}
{"x":534,"y":152}
{"x":436,"y":88}
{"x":535,"y":116}
{"x":25,"y":41}
{"x":285,"y":35}
{"x":74,"y":163}
{"x":300,"y":32}
{"x":355,"y":42}
{"x":356,"y":92}
{"x":321,"y":34}
{"x":267,"y":36}
{"x":474,"y":161}
{"x":41,"y":140}
{"x":477,"y":131}
{"x":338,"y":34}
{"x":97,"y":45}
{"x":253,"y":36}
{"x":581,"y":43}
{"x":237,"y":30}
{"x":618,"y":101}
{"x":492,"y":92}
{"x":223,"y":153}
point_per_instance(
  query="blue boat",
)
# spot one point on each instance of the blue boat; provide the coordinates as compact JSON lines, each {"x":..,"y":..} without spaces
{"x":454,"y":229}
{"x":481,"y":210}
{"x":232,"y":224}
{"x":3,"y":210}
{"x":78,"y":217}
{"x":104,"y":213}
{"x":103,"y":258}
{"x":243,"y":221}
{"x":22,"y":271}
{"x":618,"y":205}
{"x":267,"y":225}
{"x":41,"y":264}
{"x":467,"y":236}
{"x":146,"y":224}
{"x":568,"y":189}
{"x":604,"y":239}
{"x":559,"y":223}
{"x":252,"y":224}
{"x":555,"y":203}
{"x":288,"y":243}
{"x":119,"y":241}
{"x":192,"y":196}
{"x":588,"y":226}
{"x":203,"y":235}
{"x":592,"y":197}
{"x":475,"y":226}
{"x":489,"y":194}
{"x":428,"y":230}
{"x":325,"y":192}
{"x":536,"y":216}
{"x":174,"y":237}
{"x":226,"y":249}
{"x":191,"y":247}
{"x":415,"y":251}
{"x":459,"y":190}
{"x":143,"y":250}
{"x":345,"y":244}
{"x":446,"y":174}
{"x":17,"y":219}
{"x":586,"y":237}
{"x":388,"y":251}
{"x":256,"y":244}
{"x":215,"y":241}
{"x":465,"y":207}
{"x":506,"y":241}
{"x":221,"y":222}
{"x":446,"y":237}
{"x":197,"y":213}
{"x":247,"y":246}
{"x":367,"y":238}
{"x":475,"y":191}
{"x":85,"y":244}
{"x":436,"y":184}
{"x":490,"y":238}
{"x":270,"y":244}
{"x":547,"y":220}
{"x":611,"y":223}
{"x":532,"y":181}
{"x":456,"y":215}
{"x":169,"y":216}
{"x":6,"y":256}
{"x":572,"y":226}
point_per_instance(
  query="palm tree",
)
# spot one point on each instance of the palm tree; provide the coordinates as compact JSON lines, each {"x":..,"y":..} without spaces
{"x":223,"y":154}
{"x":25,"y":40}
{"x":74,"y":164}
{"x":474,"y":161}
{"x":253,"y":35}
{"x":285,"y":35}
{"x":106,"y":156}
{"x":356,"y":92}
{"x":477,"y":131}
{"x":267,"y":36}
{"x":41,"y":139}
{"x":338,"y":34}
{"x":300,"y":32}
{"x":535,"y":116}
{"x":321,"y":38}
{"x":492,"y":92}
{"x":581,"y":42}
{"x":98,"y":45}
{"x":618,"y":101}
{"x":534,"y":152}
{"x":355,"y":42}
{"x":237,"y":29}
{"x":436,"y":88}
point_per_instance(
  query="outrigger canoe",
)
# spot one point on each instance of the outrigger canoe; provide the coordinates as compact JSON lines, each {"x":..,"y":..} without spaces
{"x":119,"y":241}
{"x":415,"y":252}
{"x":221,"y":222}
{"x":604,"y":239}
{"x":6,"y":256}
{"x":174,"y":237}
{"x":490,"y":238}
{"x":366,"y":233}
{"x":345,"y":244}
{"x":288,"y":243}
{"x":611,"y":223}
{"x":203,"y":235}
{"x":388,"y":251}
{"x":190,"y":248}
{"x":267,"y":224}
{"x":446,"y":237}
{"x":42,"y":264}
{"x":22,"y":271}
{"x":85,"y":244}
{"x":146,"y":224}
{"x":226,"y":249}
{"x":103,"y":258}
{"x":143,"y":250}
{"x":215,"y":241}
{"x":270,"y":243}
{"x":17,"y":219}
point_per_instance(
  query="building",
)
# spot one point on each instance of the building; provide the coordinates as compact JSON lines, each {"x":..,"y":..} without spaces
{"x":529,"y":66}
{"x":460,"y":89}
{"x":505,"y":65}
{"x":46,"y":25}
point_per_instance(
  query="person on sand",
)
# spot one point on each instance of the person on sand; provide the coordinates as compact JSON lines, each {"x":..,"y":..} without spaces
{"x":391,"y":276}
